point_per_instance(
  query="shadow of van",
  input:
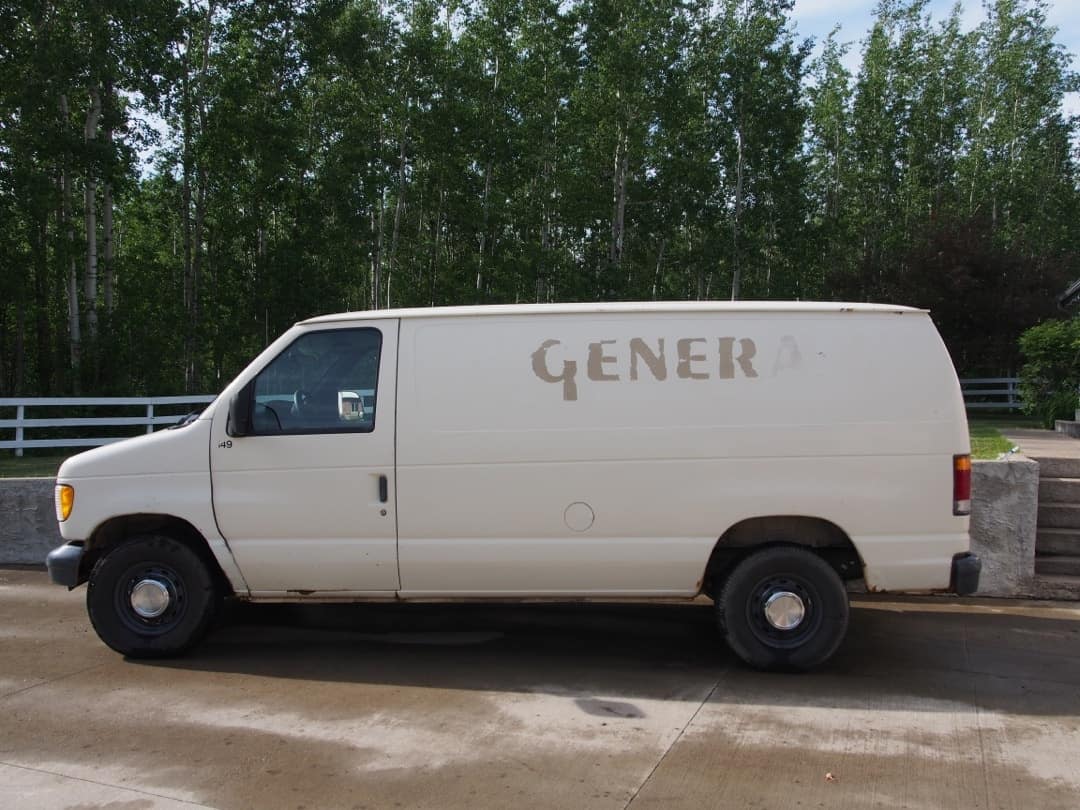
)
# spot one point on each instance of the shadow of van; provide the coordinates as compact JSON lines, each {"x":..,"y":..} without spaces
{"x":924,"y":655}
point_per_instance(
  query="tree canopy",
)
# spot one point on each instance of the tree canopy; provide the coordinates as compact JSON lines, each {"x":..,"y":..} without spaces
{"x":180,"y":181}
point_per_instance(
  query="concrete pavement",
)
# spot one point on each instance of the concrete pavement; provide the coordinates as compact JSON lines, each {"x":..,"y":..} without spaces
{"x":1036,"y":443}
{"x":929,"y":703}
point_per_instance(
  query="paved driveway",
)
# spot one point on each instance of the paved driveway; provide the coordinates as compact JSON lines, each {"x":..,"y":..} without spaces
{"x":928,"y":704}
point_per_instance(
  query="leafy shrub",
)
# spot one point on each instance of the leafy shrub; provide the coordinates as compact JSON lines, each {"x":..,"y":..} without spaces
{"x":1051,"y":372}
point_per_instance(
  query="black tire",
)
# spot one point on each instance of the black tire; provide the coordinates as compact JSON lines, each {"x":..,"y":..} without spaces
{"x":171,"y":568}
{"x":776,"y":570}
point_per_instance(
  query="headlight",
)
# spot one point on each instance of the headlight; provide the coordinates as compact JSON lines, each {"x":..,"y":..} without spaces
{"x":65,"y":499}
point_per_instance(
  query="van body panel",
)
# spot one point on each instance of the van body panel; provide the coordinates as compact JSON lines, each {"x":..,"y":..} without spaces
{"x":669,"y":429}
{"x":909,"y":562}
{"x":303,"y":512}
{"x":662,"y":543}
{"x":162,"y":473}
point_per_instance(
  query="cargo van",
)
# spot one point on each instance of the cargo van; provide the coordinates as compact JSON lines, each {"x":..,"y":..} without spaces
{"x":770,"y":456}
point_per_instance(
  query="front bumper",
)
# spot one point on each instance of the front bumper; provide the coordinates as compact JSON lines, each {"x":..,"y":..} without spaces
{"x":64,"y":564}
{"x":966,"y":568}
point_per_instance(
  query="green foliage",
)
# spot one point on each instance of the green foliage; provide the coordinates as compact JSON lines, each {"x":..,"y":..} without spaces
{"x":352,"y":154}
{"x":1050,"y":376}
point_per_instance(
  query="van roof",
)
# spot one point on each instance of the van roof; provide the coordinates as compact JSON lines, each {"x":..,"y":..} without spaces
{"x":616,"y":308}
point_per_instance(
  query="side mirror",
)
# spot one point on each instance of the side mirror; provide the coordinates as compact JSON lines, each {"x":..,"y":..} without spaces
{"x":239,"y":423}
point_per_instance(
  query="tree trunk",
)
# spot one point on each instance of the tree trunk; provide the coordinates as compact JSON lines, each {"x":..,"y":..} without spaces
{"x":20,"y":350}
{"x":437,"y":225}
{"x":194,"y":102}
{"x":399,"y":205}
{"x":656,"y":287}
{"x":41,"y":306}
{"x":377,"y":223}
{"x":90,"y":281}
{"x":487,"y":183}
{"x":700,"y":279}
{"x":74,"y":324}
{"x":377,"y":227}
{"x":736,"y":276}
{"x":543,"y":291}
{"x":976,"y":146}
{"x":379,"y":241}
{"x":107,"y":247}
{"x":836,"y":177}
{"x":484,"y":226}
{"x":186,"y":172}
{"x":197,"y":257}
{"x":3,"y":348}
{"x":187,"y":168}
{"x":618,"y":213}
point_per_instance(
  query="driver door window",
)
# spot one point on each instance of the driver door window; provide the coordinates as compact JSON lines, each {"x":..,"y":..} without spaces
{"x":324,"y":382}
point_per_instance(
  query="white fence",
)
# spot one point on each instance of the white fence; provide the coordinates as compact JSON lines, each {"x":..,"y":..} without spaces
{"x":22,"y":423}
{"x":999,"y":393}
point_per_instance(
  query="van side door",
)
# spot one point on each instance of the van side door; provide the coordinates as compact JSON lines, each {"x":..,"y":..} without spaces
{"x":306,"y":497}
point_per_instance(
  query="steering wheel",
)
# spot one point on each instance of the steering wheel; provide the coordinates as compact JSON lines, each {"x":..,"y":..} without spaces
{"x":265,"y":407}
{"x":300,"y":400}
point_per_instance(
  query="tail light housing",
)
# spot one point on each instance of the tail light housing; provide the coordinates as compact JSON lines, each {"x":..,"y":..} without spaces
{"x":961,"y":487}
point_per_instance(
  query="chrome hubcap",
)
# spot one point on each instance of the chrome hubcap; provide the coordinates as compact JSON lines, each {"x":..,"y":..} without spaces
{"x":150,"y":598}
{"x":784,"y":610}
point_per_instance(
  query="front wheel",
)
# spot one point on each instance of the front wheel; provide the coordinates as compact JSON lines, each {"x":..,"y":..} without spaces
{"x":150,"y":597}
{"x":783,"y":608}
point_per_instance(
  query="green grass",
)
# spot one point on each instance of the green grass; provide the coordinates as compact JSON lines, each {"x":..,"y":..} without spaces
{"x":1005,"y":421}
{"x":985,"y":433}
{"x":987,"y":441}
{"x":29,"y":466}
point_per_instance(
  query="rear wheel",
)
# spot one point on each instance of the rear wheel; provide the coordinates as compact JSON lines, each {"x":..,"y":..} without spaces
{"x":150,"y":597}
{"x":783,"y":608}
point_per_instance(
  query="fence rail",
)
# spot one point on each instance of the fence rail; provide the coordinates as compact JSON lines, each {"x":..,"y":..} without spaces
{"x":148,"y":419}
{"x":999,"y":393}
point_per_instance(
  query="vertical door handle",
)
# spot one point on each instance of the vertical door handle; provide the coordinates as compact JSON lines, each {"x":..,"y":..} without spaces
{"x":384,"y":489}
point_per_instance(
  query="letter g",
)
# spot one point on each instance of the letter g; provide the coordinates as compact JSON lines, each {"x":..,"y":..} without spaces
{"x":569,"y":370}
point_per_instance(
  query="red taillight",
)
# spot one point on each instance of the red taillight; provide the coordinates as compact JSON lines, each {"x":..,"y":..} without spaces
{"x":961,"y":485}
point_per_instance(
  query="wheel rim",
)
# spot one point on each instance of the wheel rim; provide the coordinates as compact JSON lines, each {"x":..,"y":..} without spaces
{"x":783,"y":611}
{"x":151,"y":598}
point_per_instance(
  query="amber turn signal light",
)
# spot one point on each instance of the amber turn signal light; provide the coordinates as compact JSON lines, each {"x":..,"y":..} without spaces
{"x":65,"y":499}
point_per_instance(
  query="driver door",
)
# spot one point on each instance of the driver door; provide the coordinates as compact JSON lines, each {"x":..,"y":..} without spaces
{"x":306,"y":500}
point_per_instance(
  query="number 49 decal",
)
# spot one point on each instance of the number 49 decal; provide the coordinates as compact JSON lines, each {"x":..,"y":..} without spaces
{"x":226,"y":444}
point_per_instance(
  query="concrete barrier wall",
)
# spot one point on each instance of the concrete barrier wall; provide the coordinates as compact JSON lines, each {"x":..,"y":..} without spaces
{"x":1005,"y":500}
{"x":28,"y":529}
{"x":1004,"y":511}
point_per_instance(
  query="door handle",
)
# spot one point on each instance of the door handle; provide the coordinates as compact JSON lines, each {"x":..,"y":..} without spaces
{"x":384,"y":489}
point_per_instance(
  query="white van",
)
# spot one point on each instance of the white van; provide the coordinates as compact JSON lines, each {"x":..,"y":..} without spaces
{"x":763,"y":454}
